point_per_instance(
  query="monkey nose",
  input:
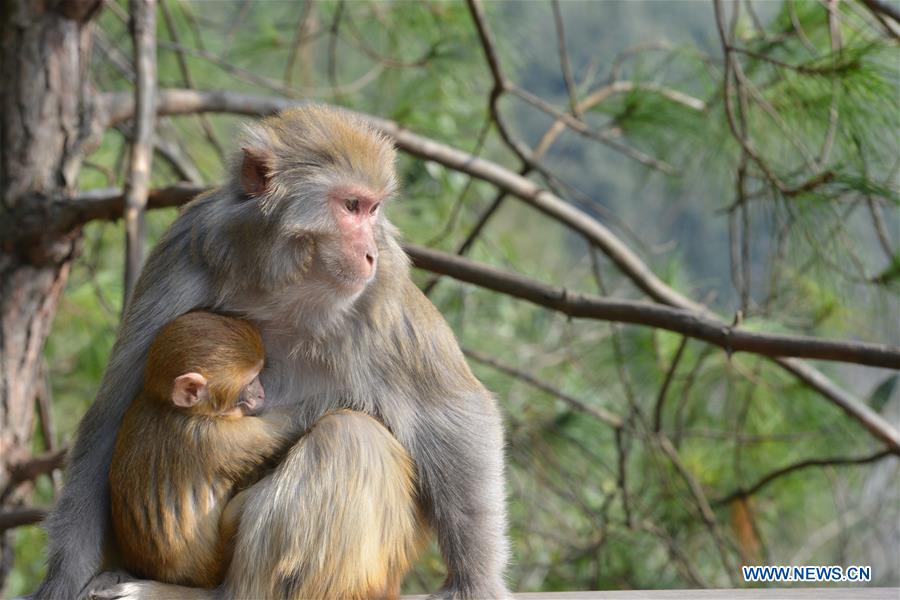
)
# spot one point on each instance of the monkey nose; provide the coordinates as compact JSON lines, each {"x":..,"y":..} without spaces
{"x":370,"y":258}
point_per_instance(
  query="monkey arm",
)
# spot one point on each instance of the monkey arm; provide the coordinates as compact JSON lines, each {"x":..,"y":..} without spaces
{"x":459,"y":455}
{"x":283,"y":424}
{"x":255,"y":444}
{"x":456,"y":441}
{"x":231,"y":517}
{"x":169,"y":286}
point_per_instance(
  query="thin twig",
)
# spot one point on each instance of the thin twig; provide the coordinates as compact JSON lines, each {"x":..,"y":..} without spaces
{"x":301,"y":40}
{"x":503,"y":85}
{"x":137,"y":185}
{"x":118,"y":107}
{"x":838,"y":461}
{"x":564,"y":62}
{"x":705,"y":510}
{"x":188,"y":79}
{"x":48,"y":424}
{"x":600,"y":413}
{"x":333,"y":37}
{"x":670,"y":375}
{"x":880,"y":228}
{"x":622,"y":475}
{"x":834,"y":29}
{"x":19,"y":517}
{"x":274,"y":85}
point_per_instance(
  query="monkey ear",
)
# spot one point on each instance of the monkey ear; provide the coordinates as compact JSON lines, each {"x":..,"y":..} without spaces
{"x":256,"y":170}
{"x":189,"y":389}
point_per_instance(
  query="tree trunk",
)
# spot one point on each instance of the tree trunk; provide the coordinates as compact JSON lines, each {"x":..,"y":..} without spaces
{"x":45,"y":122}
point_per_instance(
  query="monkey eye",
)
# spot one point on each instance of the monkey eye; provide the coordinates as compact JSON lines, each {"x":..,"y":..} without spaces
{"x":352,"y":205}
{"x":374,"y":209}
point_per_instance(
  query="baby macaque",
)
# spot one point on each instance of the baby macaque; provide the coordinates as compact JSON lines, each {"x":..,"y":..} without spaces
{"x":189,"y":443}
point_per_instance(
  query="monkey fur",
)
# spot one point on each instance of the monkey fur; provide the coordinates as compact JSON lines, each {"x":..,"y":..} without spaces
{"x":298,"y":243}
{"x":175,"y":468}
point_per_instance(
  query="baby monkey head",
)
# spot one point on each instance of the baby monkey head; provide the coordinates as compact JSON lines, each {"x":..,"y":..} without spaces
{"x":207,"y":364}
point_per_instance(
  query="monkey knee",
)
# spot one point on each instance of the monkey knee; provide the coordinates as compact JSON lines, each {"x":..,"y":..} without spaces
{"x":337,"y":520}
{"x":355,"y":442}
{"x":348,"y":424}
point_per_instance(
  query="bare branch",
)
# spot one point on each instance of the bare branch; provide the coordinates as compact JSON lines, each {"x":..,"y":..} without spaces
{"x":208,"y":130}
{"x":670,"y":375}
{"x":274,"y":85}
{"x":698,"y":326}
{"x":619,"y":87}
{"x":564,"y":62}
{"x":838,"y":461}
{"x":502,"y":85}
{"x":104,"y":204}
{"x":883,"y":8}
{"x":36,"y":466}
{"x":302,"y":38}
{"x":705,"y":510}
{"x":880,"y":229}
{"x":137,"y":186}
{"x":21,"y":516}
{"x":576,"y":404}
{"x":120,"y":107}
{"x":584,"y":130}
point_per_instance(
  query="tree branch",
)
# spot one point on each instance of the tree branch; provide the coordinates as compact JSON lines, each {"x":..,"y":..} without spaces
{"x":107,"y":204}
{"x":119,"y":107}
{"x":21,"y":516}
{"x":36,"y":466}
{"x":838,"y":461}
{"x":701,"y":327}
{"x":883,"y":8}
{"x":600,"y":413}
{"x":103,"y":204}
{"x":564,"y":62}
{"x":143,"y":34}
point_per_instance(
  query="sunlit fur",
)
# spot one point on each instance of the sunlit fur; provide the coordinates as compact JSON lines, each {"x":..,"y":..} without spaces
{"x":354,"y":532}
{"x":384,"y":351}
{"x":222,"y":349}
{"x":173,"y":469}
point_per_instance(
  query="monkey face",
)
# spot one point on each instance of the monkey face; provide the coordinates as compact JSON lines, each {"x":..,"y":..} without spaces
{"x":192,"y":391}
{"x":207,"y":364}
{"x":252,"y":397}
{"x":319,"y":178}
{"x":355,"y":210}
{"x":349,"y":257}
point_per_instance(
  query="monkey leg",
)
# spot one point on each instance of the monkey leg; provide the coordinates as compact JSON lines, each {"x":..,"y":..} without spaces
{"x":338,"y":519}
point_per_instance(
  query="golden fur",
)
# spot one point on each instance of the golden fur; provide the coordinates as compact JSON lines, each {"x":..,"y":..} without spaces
{"x":174,"y":470}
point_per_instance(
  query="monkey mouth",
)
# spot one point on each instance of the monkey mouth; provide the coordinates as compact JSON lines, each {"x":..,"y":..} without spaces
{"x":352,"y":281}
{"x":249,"y":406}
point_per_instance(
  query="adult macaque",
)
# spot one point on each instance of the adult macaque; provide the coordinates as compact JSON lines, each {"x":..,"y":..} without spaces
{"x":298,"y":243}
{"x":191,"y":440}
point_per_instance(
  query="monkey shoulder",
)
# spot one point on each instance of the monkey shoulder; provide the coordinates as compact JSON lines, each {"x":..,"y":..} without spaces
{"x":420,"y":347}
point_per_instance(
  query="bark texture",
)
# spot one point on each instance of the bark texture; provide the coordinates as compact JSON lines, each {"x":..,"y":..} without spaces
{"x":45,"y":123}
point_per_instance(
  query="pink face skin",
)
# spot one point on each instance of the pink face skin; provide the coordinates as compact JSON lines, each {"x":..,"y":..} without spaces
{"x":356,"y":209}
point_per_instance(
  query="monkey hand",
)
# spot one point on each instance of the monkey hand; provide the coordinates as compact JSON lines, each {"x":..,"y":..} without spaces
{"x":118,"y":585}
{"x":103,"y":582}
